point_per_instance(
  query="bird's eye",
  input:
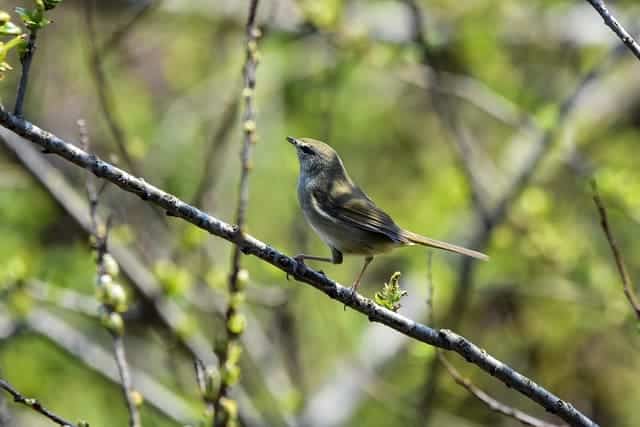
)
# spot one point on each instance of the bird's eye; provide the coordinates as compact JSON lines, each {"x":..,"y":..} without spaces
{"x":306,"y":149}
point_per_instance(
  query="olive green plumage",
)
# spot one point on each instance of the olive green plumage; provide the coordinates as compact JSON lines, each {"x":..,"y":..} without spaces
{"x":344,"y":217}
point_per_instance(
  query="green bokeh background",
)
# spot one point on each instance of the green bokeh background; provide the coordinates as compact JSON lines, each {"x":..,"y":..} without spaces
{"x":549,"y":303}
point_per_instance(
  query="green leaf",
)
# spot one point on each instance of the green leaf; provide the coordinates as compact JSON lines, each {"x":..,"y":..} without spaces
{"x":33,"y":19}
{"x":391,"y":294}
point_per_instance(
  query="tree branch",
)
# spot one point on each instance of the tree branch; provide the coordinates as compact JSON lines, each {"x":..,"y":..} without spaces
{"x":615,"y":26}
{"x":248,"y":244}
{"x":234,"y":319}
{"x":25,"y":60}
{"x":489,"y":401}
{"x":477,"y":392}
{"x":34,"y":404}
{"x":170,"y":314}
{"x":497,"y":215}
{"x":121,"y":33}
{"x":99,"y":360}
{"x":105,"y":94}
{"x":216,"y":144}
{"x":334,"y":403}
{"x":125,"y":381}
{"x":627,"y":284}
{"x":111,"y":294}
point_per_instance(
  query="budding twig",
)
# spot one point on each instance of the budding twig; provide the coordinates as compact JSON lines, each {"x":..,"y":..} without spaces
{"x":25,"y":60}
{"x":111,"y":294}
{"x":229,"y":355}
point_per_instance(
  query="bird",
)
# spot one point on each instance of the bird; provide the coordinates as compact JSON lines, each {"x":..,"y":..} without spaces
{"x":344,"y":217}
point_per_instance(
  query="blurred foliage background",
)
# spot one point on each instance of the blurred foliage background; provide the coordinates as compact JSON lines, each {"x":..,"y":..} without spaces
{"x":412,"y":121}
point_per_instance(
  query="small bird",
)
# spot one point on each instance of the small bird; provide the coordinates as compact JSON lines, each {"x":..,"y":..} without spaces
{"x":344,"y":217}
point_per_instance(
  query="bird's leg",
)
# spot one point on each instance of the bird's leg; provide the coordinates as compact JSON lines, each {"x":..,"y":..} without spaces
{"x":356,"y":282}
{"x":336,"y":258}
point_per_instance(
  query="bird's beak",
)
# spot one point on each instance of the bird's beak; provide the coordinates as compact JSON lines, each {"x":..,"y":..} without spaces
{"x":292,"y":140}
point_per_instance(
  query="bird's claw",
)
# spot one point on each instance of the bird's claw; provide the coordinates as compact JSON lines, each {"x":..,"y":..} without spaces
{"x":352,"y":296}
{"x":300,"y":260}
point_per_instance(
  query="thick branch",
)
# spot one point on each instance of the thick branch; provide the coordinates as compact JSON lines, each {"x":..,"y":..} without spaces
{"x":493,"y":404}
{"x":444,"y":339}
{"x":34,"y":404}
{"x":615,"y":26}
{"x":496,"y":216}
{"x":627,"y":285}
{"x":170,"y":314}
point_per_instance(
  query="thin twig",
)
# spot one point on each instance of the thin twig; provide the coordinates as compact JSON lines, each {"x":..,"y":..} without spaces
{"x":460,"y":137}
{"x":204,"y":383}
{"x":25,"y":59}
{"x":121,"y":33}
{"x":248,"y":244}
{"x":105,"y":94}
{"x":430,"y":289}
{"x":492,"y":403}
{"x":34,"y":404}
{"x":97,"y":359}
{"x":627,"y":284}
{"x":216,"y":144}
{"x":472,"y":91}
{"x":489,"y":401}
{"x":100,"y":242}
{"x":125,"y":378}
{"x":249,"y":130}
{"x":615,"y":26}
{"x":442,"y":107}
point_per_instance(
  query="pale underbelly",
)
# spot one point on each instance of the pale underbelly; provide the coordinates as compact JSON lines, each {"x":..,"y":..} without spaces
{"x":351,"y":240}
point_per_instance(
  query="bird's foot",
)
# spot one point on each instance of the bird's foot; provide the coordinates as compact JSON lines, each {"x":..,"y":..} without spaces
{"x":353,"y":289}
{"x":300,"y":260}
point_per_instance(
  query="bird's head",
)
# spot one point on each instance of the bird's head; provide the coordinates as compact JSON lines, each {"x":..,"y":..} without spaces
{"x":315,"y":156}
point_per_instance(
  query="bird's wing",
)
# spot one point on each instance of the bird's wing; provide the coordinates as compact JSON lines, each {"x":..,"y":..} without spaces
{"x":357,"y":209}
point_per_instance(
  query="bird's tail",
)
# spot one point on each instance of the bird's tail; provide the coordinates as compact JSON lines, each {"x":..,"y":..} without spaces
{"x":425,"y":241}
